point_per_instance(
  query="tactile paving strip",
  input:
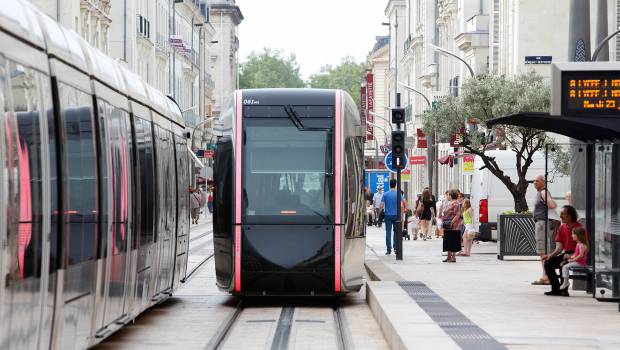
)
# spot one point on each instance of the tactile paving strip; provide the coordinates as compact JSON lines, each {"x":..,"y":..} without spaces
{"x":461,"y":329}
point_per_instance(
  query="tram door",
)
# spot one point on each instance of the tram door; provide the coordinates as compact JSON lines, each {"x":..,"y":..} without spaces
{"x":21,"y":202}
{"x":118,"y":241}
{"x":166,"y":193}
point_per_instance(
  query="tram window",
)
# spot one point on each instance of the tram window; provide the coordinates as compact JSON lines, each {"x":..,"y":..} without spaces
{"x":22,"y":187}
{"x":146,"y":205}
{"x":104,"y":113}
{"x":285,"y":171}
{"x":80,"y":205}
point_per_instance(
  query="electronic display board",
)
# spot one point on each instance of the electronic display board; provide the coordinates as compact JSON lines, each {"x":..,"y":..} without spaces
{"x":590,"y":92}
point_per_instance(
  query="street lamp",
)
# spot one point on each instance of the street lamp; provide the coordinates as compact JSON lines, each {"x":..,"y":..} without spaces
{"x":382,"y":118}
{"x":449,"y":53}
{"x":428,"y":102}
{"x":197,"y":125}
{"x":603,"y":43}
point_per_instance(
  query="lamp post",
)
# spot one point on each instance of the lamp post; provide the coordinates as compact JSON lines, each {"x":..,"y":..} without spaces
{"x":197,"y":125}
{"x":452,"y":54}
{"x":603,"y":43}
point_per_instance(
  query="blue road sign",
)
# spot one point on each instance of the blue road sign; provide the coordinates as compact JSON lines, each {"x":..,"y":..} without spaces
{"x":388,"y":162}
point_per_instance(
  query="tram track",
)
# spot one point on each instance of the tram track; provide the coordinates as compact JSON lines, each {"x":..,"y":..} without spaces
{"x":288,"y":325}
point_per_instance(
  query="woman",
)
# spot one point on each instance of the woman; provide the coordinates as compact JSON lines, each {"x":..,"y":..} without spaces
{"x":426,"y":210}
{"x":451,"y":224}
{"x":470,"y":231}
{"x":442,"y":205}
{"x":194,"y":205}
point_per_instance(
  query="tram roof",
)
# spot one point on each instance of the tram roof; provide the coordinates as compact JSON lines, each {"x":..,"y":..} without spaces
{"x":19,"y":19}
{"x":62,"y":44}
{"x":102,"y":66}
{"x":300,"y":97}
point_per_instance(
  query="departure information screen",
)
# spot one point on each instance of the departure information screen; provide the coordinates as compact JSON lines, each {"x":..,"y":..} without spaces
{"x":593,"y":93}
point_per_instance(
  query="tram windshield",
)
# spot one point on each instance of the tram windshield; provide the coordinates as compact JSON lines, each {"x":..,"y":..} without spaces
{"x":286,"y":172}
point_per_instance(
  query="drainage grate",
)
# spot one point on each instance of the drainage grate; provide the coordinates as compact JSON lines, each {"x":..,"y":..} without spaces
{"x":461,"y":329}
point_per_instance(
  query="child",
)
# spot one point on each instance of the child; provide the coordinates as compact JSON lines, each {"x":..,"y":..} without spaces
{"x":580,"y":255}
{"x":470,"y":231}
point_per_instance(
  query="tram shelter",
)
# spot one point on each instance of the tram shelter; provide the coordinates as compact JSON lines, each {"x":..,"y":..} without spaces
{"x":585,"y":106}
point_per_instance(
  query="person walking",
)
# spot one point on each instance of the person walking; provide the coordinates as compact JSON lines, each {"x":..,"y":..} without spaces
{"x":544,"y":203}
{"x":376,"y":200}
{"x":389,"y":204}
{"x":194,"y":205}
{"x":210,"y":201}
{"x":451,"y":224}
{"x":579,"y":258}
{"x":426,"y":212}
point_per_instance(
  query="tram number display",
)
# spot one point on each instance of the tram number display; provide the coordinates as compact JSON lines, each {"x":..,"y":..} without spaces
{"x":591,"y":93}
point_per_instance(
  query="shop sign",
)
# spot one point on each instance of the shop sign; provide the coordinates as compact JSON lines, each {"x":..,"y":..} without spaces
{"x":417,"y":160}
{"x":456,"y":139}
{"x":405,"y":175}
{"x":538,"y":59}
{"x":370,"y":104}
{"x":468,"y":163}
{"x":209,"y":154}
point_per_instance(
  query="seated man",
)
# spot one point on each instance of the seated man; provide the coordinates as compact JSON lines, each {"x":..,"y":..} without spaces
{"x":564,"y":248}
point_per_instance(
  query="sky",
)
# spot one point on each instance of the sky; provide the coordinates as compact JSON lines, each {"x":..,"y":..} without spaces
{"x":317,"y":32}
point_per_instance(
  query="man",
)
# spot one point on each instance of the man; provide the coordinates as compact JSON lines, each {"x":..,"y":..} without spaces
{"x":376,"y":200}
{"x":564,"y":248}
{"x":389,"y":204}
{"x":543,"y":203}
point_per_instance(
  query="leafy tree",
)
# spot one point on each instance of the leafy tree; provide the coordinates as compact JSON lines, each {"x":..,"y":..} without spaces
{"x":488,"y":97}
{"x":346,"y":76}
{"x":269,"y":69}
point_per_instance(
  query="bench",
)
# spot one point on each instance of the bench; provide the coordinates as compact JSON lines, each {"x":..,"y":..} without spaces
{"x":582,"y":273}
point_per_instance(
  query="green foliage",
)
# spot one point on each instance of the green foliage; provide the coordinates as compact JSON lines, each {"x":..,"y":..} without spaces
{"x":487,"y":97}
{"x":346,"y":76}
{"x":269,"y":69}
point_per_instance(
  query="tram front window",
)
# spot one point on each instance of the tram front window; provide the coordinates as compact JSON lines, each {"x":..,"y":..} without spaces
{"x":285,"y":173}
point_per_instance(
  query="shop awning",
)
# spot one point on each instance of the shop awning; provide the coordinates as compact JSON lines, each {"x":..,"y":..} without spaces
{"x":449,"y":159}
{"x":583,"y":128}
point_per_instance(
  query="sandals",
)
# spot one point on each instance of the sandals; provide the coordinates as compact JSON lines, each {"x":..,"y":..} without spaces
{"x":541,"y":282}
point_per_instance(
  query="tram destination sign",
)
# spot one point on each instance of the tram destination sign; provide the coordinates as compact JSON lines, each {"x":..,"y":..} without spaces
{"x":585,"y":89}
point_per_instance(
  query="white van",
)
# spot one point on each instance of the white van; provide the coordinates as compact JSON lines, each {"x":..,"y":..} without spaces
{"x":490,"y":197}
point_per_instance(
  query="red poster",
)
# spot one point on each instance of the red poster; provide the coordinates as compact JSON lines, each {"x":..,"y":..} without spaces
{"x":363,"y":110}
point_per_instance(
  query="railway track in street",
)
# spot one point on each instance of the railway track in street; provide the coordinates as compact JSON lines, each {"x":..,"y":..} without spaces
{"x":294,"y":325}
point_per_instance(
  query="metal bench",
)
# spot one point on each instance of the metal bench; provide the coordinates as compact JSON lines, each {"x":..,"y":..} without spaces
{"x":581,"y":273}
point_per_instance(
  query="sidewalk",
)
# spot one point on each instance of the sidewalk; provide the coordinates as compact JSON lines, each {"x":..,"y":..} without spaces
{"x":497,"y":296}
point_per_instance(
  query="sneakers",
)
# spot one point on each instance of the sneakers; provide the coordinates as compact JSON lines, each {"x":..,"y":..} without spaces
{"x":388,"y":252}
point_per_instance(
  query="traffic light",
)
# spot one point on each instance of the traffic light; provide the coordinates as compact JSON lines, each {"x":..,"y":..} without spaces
{"x":398,"y":149}
{"x":398,"y":116}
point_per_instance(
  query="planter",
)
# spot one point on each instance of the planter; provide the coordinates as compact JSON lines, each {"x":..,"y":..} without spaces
{"x":515,"y":235}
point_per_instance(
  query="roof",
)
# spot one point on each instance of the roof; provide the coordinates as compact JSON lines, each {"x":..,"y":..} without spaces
{"x":590,"y":128}
{"x":381,"y":42}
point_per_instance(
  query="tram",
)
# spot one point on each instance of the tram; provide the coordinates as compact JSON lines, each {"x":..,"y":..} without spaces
{"x":94,"y":173}
{"x":289,"y":207}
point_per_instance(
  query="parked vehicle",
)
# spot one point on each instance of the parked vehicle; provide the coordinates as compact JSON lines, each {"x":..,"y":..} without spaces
{"x":490,"y":197}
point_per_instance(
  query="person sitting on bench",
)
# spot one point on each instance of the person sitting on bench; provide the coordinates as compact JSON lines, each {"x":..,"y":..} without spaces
{"x":564,"y":248}
{"x":580,"y":256}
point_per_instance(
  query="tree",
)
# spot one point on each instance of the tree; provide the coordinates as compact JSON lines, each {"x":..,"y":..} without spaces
{"x":488,"y":97}
{"x":346,"y":76}
{"x":269,"y":69}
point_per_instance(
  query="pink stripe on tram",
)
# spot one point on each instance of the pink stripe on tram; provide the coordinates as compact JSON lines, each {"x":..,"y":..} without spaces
{"x":337,"y":181}
{"x":238,"y":189}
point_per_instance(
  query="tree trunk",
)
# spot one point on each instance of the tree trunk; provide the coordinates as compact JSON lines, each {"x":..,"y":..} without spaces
{"x":520,"y":202}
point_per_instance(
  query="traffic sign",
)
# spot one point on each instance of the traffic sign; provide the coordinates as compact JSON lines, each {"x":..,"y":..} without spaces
{"x":388,"y":162}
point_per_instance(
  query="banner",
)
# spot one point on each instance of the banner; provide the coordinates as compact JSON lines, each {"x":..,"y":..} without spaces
{"x":370,"y":105}
{"x":456,"y":139}
{"x":363,"y":109}
{"x":421,"y":139}
{"x":468,"y":163}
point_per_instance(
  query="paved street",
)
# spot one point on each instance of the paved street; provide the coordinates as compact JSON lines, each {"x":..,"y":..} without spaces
{"x":498,"y":297}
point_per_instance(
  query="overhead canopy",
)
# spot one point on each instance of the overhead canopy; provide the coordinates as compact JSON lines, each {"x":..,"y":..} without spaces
{"x":580,"y":128}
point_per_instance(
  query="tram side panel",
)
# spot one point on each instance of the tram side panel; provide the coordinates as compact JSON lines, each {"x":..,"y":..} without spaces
{"x":182,"y":207}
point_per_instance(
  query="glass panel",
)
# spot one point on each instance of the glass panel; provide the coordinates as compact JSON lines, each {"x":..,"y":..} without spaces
{"x":119,"y":156}
{"x":80,"y":177}
{"x":607,"y":235}
{"x":285,"y":170}
{"x":146,"y":206}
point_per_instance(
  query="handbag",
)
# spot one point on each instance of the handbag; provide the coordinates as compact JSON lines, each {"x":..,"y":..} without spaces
{"x":420,"y":209}
{"x":446,"y":224}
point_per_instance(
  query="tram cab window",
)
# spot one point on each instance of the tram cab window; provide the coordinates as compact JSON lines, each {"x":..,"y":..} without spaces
{"x":285,"y":172}
{"x":21,"y":178}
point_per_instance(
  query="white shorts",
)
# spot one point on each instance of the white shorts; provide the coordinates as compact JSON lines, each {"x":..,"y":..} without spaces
{"x":470,"y":228}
